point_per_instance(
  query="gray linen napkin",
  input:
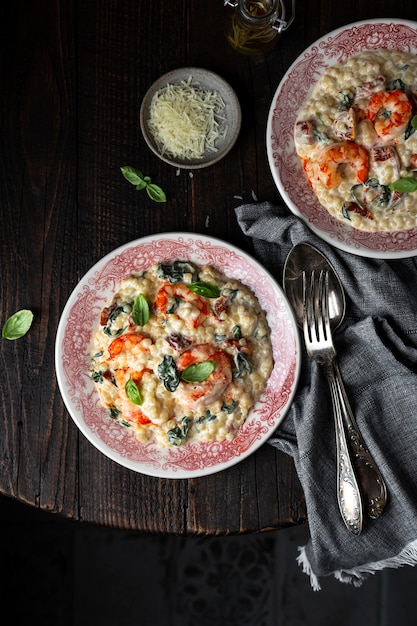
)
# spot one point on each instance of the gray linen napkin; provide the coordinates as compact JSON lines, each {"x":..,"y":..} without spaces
{"x":377,"y":352}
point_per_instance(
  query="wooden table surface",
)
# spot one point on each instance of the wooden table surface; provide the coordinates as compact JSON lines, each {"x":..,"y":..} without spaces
{"x":72,"y":79}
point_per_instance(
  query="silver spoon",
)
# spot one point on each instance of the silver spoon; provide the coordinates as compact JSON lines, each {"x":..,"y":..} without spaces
{"x":305,"y":256}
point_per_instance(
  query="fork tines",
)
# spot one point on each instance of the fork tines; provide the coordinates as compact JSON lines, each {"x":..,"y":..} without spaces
{"x":316,"y":306}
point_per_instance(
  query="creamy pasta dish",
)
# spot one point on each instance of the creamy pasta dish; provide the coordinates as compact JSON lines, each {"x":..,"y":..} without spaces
{"x":355,"y":135}
{"x":181,"y":354}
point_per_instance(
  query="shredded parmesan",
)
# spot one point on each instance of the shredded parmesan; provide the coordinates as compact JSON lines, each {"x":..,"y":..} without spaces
{"x":186,"y":120}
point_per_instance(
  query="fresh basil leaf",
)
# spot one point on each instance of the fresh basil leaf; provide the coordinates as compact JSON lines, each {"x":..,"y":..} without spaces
{"x":132,"y":392}
{"x":414,"y":122}
{"x":140,"y":313}
{"x":140,"y":181}
{"x":204,"y":289}
{"x":404,"y":185}
{"x":17,"y":325}
{"x":131,"y":174}
{"x":155,"y":193}
{"x":197,"y":372}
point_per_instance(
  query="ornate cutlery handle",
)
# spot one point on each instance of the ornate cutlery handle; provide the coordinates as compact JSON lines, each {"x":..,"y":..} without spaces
{"x":348,"y":495}
{"x":372,"y":483}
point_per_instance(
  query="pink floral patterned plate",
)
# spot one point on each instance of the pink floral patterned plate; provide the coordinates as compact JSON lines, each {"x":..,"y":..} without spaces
{"x":72,"y":355}
{"x":285,"y":166}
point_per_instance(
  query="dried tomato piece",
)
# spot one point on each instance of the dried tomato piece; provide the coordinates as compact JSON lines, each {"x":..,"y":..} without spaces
{"x":178,"y":342}
{"x":364,"y":212}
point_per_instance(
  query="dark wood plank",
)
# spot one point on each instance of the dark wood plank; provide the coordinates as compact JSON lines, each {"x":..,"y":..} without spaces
{"x":38,"y":193}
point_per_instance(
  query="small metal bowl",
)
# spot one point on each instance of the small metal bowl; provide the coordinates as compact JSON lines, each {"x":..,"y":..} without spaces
{"x":208,"y":81}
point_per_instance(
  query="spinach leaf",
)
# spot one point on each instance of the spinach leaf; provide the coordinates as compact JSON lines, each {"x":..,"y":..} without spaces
{"x":396,"y":83}
{"x":97,"y":376}
{"x":175,"y":271}
{"x":107,"y":330}
{"x":167,"y":372}
{"x":115,"y":415}
{"x":345,"y":101}
{"x":177,"y":434}
{"x":208,"y":417}
{"x":242,"y":366}
{"x":229,"y":408}
{"x":173,"y":305}
{"x":345,"y":212}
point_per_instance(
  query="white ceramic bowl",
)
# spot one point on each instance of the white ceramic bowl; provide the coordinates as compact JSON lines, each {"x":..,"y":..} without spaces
{"x":285,"y":165}
{"x":72,"y":356}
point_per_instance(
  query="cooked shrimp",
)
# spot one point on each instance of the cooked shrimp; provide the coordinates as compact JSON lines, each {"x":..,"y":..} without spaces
{"x":192,"y":395}
{"x":390,"y":113}
{"x":130,"y":411}
{"x":332,"y":161}
{"x":168,"y":301}
{"x":130,"y":341}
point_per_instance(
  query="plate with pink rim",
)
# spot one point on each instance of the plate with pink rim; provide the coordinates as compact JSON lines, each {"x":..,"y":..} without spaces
{"x":285,"y":165}
{"x":72,"y":356}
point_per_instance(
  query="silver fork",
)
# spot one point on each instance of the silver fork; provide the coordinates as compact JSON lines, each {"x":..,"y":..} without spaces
{"x":319,"y":346}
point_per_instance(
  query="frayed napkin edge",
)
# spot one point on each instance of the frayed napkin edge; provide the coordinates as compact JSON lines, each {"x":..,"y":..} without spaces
{"x":357,"y":575}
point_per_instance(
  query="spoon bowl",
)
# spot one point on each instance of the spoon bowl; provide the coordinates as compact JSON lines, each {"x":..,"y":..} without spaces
{"x":305,"y":256}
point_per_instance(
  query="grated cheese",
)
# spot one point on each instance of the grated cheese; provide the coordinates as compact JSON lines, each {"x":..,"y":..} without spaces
{"x":186,"y":120}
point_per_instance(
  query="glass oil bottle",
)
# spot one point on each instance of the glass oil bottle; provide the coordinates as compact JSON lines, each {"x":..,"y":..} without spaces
{"x":254,"y":26}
